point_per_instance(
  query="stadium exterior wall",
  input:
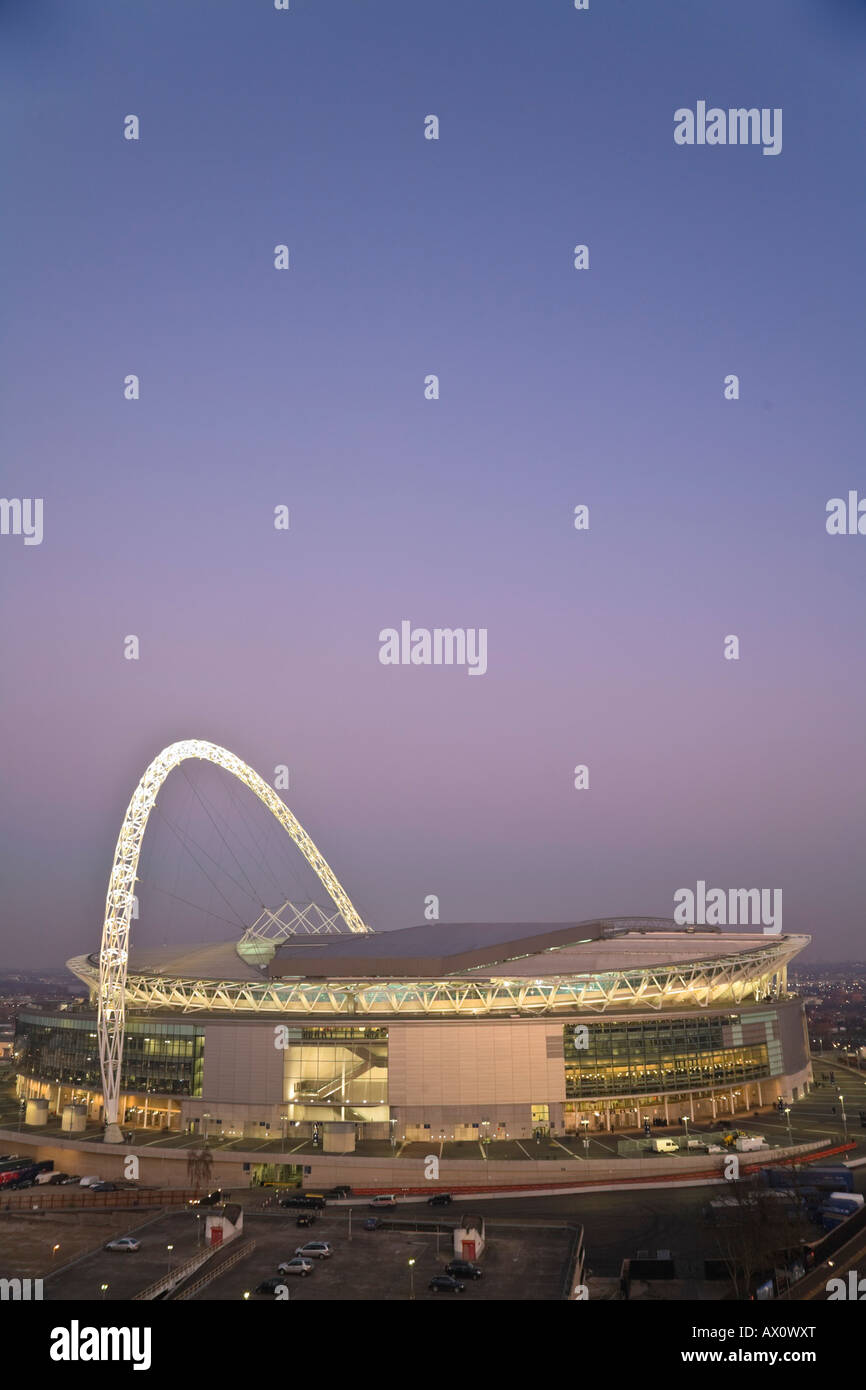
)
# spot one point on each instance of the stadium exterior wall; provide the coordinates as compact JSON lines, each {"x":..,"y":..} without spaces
{"x":442,"y":1079}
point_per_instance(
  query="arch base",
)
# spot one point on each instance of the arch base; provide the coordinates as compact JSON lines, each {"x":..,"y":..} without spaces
{"x":113,"y":1134}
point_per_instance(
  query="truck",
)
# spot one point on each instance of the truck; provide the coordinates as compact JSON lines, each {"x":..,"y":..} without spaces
{"x":745,"y":1143}
{"x":847,"y":1202}
{"x":22,"y":1172}
{"x":824,"y":1179}
{"x":663,"y":1146}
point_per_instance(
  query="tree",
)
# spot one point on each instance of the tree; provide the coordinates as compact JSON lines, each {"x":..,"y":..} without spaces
{"x":199,"y":1166}
{"x":757,"y":1230}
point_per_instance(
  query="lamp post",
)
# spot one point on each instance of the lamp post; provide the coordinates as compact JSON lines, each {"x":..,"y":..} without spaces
{"x":788,"y":1118}
{"x":844,"y":1117}
{"x":411,"y":1278}
{"x":103,"y":1289}
{"x":585,"y":1124}
{"x":169,"y":1248}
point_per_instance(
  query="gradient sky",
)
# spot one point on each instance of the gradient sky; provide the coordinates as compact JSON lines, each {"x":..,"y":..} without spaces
{"x":603,"y":387}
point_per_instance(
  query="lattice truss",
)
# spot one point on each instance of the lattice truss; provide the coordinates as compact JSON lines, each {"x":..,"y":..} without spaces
{"x":290,"y":920}
{"x":754,"y":975}
{"x":114,"y":952}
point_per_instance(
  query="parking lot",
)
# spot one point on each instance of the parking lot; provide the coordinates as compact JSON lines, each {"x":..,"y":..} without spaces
{"x":127,"y":1275}
{"x":519,"y":1262}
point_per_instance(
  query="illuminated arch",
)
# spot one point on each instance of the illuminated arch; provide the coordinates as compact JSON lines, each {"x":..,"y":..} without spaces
{"x":114,"y":952}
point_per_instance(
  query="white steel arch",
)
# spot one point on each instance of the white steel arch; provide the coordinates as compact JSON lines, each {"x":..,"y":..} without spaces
{"x":114,"y":951}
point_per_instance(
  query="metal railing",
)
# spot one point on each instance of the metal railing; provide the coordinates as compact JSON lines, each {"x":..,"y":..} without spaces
{"x":238,"y":1253}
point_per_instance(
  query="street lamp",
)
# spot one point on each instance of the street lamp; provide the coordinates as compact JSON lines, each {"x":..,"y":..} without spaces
{"x":411,"y":1278}
{"x":684,"y":1119}
{"x":54,"y":1250}
{"x":585,"y":1124}
{"x":844,"y":1116}
{"x":103,"y":1288}
{"x":169,"y":1248}
{"x":788,"y":1118}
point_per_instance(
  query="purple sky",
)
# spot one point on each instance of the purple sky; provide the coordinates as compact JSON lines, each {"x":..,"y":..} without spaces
{"x":558,"y":387}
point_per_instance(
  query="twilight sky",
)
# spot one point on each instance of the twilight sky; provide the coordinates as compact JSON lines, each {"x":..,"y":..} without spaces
{"x":558,"y":387}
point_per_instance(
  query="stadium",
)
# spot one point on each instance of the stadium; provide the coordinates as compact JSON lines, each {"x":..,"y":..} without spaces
{"x":314,"y":1026}
{"x":450,"y":1031}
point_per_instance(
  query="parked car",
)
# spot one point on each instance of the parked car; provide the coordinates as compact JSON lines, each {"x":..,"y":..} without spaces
{"x":211,"y":1200}
{"x":126,"y":1245}
{"x":306,"y":1218}
{"x":271,"y":1285}
{"x":463,"y":1269}
{"x":104,"y":1187}
{"x":315,"y":1249}
{"x":297,"y":1266}
{"x":372,"y":1223}
{"x":445,"y":1283}
{"x":88,"y":1182}
{"x":386,"y":1200}
{"x":305,"y":1203}
{"x":440,"y":1199}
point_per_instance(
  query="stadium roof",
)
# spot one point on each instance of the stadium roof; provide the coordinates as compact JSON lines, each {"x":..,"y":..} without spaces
{"x":439,"y":949}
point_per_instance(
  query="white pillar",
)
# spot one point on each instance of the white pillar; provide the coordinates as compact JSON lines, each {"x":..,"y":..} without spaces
{"x":667,"y":1116}
{"x":691,"y":1105}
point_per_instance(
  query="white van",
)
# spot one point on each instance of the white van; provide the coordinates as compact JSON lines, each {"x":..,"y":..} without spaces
{"x":664,"y":1146}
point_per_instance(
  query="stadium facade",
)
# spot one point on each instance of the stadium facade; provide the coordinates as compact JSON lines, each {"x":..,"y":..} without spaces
{"x":442,"y":1031}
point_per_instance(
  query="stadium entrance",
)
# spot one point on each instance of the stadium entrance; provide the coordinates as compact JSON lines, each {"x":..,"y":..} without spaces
{"x":276,"y":1175}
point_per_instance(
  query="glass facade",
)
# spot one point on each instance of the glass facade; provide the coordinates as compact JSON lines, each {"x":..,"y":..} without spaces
{"x":336,"y":1066}
{"x":658,"y":1055}
{"x":165,"y":1058}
